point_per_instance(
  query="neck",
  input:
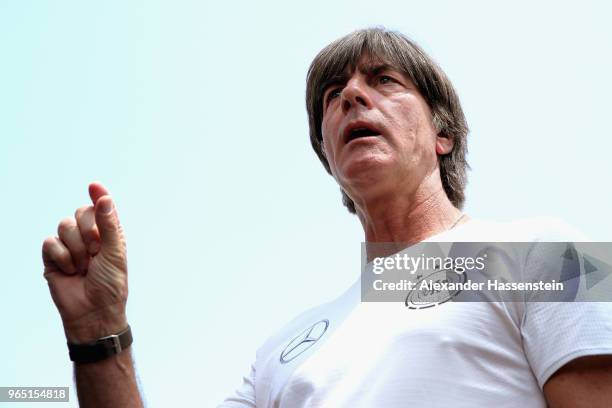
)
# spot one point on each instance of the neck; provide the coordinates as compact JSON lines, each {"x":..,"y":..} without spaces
{"x":408,"y":219}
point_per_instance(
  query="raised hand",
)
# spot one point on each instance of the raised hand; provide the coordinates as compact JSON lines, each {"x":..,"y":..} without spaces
{"x":86,"y":269}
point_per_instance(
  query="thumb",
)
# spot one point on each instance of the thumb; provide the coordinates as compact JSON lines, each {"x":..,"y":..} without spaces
{"x":108,"y":222}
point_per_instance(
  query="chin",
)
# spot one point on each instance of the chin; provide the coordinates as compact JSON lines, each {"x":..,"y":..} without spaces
{"x":366,"y":170}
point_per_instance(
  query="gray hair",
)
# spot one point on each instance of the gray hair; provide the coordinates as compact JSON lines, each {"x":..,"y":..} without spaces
{"x":435,"y":87}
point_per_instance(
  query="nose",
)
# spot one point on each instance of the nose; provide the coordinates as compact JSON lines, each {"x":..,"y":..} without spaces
{"x":355,"y":94}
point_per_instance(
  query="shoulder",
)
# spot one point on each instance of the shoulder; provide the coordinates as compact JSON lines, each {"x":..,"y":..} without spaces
{"x":549,"y":229}
{"x":532,"y":229}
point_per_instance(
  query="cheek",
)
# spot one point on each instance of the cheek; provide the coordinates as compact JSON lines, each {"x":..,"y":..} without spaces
{"x":328,"y":145}
{"x":419,"y":121}
{"x":412,"y":122}
{"x":328,"y":129}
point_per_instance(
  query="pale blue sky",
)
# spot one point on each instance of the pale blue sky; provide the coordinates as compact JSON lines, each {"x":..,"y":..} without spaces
{"x":192,"y":113}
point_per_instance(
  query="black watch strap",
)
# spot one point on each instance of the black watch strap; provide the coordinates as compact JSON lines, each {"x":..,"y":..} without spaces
{"x":100,"y":349}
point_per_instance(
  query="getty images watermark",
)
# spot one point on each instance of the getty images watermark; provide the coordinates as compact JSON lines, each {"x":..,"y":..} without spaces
{"x":432,"y":273}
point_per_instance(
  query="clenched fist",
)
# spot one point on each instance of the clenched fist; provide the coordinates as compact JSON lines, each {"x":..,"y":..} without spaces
{"x":86,"y":269}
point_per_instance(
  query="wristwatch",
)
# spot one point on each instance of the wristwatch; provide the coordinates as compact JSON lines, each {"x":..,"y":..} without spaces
{"x":100,"y":349}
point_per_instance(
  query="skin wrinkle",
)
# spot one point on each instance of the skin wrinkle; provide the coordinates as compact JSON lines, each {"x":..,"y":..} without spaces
{"x":387,"y":229}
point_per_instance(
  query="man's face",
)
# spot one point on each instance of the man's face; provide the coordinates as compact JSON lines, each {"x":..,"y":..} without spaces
{"x":378,"y":133}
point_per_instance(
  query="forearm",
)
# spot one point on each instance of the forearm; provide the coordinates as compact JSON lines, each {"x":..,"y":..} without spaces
{"x":108,"y":383}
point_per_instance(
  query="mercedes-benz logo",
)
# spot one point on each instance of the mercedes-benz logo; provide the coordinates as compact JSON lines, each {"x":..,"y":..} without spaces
{"x":304,"y":341}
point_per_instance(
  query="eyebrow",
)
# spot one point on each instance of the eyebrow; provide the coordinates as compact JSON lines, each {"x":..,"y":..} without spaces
{"x":369,"y":69}
{"x":375,"y":68}
{"x":340,"y":78}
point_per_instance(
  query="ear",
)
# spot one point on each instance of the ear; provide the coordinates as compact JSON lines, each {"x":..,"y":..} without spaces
{"x":444,"y":144}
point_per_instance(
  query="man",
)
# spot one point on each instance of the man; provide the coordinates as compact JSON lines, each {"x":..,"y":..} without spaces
{"x":387,"y":125}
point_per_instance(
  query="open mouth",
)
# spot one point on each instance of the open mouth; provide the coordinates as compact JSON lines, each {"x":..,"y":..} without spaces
{"x":360,"y":133}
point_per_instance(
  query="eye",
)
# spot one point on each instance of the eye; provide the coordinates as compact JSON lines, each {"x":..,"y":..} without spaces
{"x":332,"y":94}
{"x":384,"y":79}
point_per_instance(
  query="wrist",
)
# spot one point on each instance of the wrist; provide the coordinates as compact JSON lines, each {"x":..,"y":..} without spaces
{"x":101,"y":349}
{"x":95,"y":325}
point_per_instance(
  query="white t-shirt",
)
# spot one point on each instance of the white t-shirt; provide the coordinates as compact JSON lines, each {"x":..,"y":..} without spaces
{"x":349,"y":353}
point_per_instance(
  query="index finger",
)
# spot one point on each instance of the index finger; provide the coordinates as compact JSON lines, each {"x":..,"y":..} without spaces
{"x":97,"y":190}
